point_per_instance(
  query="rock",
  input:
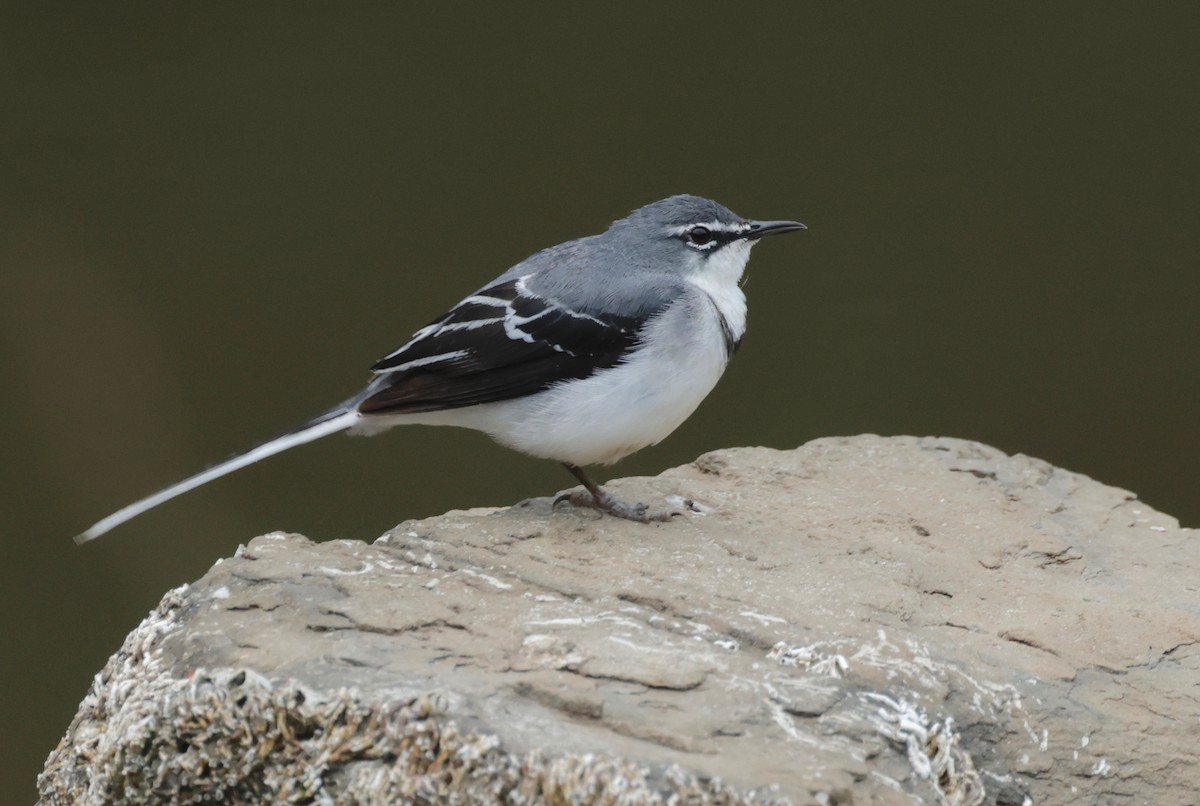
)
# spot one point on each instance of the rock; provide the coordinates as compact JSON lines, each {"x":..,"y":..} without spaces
{"x":863,"y":620}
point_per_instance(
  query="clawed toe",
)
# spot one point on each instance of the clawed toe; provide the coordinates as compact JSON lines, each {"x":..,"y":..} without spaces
{"x":593,"y":496}
{"x":578,"y":498}
{"x":607,"y":503}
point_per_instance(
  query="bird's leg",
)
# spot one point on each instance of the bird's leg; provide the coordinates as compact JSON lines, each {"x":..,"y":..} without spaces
{"x":597,"y":497}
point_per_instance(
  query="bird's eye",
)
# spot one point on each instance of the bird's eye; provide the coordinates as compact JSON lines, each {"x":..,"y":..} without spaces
{"x":699,"y":235}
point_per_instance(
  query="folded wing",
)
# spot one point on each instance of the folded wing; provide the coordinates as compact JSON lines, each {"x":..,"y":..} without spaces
{"x":500,"y":343}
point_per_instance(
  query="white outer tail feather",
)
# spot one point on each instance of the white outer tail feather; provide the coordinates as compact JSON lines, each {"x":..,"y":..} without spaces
{"x":319,"y":428}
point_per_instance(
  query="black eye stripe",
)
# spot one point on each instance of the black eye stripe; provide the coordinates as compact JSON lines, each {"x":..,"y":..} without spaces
{"x":702,"y":237}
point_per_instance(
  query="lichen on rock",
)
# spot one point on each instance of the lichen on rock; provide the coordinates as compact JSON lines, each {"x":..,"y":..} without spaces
{"x":232,"y":735}
{"x":859,"y":620}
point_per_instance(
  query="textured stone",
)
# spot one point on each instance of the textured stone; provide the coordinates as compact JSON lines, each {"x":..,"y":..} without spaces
{"x":860,"y":620}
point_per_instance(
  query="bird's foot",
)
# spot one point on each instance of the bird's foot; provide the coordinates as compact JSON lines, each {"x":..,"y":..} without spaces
{"x":593,"y":496}
{"x":607,"y":502}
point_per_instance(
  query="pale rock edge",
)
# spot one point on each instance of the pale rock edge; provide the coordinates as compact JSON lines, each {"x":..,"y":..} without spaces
{"x":860,"y":620}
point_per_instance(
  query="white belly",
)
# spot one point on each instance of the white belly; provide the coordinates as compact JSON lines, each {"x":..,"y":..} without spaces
{"x":619,"y":410}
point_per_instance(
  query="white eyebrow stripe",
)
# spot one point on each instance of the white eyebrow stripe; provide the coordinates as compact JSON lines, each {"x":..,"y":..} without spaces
{"x":714,"y":226}
{"x":430,"y":359}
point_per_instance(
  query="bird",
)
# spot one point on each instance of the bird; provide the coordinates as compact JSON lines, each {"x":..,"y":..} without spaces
{"x":582,"y":353}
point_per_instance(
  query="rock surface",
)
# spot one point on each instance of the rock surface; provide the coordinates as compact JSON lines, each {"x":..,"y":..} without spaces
{"x":861,"y":620}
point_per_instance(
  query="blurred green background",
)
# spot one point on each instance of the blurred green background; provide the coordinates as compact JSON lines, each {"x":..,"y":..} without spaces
{"x":213,"y":219}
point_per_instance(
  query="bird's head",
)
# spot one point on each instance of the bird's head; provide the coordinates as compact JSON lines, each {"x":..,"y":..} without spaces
{"x":691,"y":235}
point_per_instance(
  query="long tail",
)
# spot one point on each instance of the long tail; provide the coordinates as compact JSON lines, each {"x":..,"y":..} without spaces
{"x":332,"y":421}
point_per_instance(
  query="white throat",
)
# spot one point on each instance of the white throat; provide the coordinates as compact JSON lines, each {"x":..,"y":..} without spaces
{"x":718,"y":276}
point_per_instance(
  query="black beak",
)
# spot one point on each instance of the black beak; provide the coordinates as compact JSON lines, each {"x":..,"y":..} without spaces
{"x":760,"y":228}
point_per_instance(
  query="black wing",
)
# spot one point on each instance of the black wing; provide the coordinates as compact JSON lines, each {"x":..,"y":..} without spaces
{"x":500,"y":343}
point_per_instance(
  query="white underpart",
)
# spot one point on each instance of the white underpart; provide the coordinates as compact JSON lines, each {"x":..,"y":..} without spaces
{"x":615,"y":411}
{"x":719,"y":278}
{"x":635,"y":404}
